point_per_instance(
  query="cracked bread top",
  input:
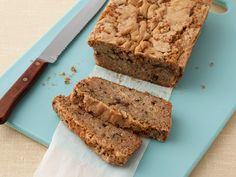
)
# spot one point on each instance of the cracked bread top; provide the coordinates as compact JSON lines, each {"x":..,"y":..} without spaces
{"x":159,"y":30}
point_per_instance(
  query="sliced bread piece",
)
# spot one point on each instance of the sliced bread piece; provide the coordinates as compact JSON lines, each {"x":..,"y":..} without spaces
{"x":112,"y":144}
{"x":124,"y":107}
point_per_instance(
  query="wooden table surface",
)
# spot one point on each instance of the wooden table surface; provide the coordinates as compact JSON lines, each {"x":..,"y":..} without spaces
{"x":23,"y":22}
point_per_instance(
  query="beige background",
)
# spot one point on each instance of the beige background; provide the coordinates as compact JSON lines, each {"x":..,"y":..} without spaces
{"x":22,"y":23}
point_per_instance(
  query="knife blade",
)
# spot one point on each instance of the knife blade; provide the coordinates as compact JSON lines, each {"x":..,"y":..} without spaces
{"x":49,"y":55}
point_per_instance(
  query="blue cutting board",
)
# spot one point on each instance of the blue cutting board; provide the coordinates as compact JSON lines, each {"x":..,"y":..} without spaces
{"x":203,"y":101}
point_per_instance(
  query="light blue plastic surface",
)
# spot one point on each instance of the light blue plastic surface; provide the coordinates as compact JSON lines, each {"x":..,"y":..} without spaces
{"x":198,"y":116}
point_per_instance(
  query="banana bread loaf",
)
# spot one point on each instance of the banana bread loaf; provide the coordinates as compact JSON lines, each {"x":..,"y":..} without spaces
{"x":148,"y":39}
{"x":124,"y":107}
{"x":112,"y":144}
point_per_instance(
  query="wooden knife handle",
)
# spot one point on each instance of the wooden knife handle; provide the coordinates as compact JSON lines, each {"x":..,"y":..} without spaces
{"x":8,"y":101}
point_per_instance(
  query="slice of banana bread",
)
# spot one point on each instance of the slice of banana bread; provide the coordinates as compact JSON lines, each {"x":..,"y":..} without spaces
{"x":124,"y":107}
{"x":148,"y":39}
{"x":112,"y":144}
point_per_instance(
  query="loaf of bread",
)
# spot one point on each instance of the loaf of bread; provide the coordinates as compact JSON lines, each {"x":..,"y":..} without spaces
{"x":124,"y":107}
{"x":112,"y":144}
{"x":148,"y":39}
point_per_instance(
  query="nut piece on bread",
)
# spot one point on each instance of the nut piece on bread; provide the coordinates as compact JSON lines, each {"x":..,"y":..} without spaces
{"x":112,"y":144}
{"x":148,"y":39}
{"x":124,"y":107}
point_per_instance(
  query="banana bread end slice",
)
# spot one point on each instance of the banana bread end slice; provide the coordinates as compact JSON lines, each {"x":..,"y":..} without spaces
{"x":114,"y":145}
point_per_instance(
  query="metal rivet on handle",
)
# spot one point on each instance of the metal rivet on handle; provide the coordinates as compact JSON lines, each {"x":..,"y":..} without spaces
{"x":25,"y":79}
{"x":37,"y":63}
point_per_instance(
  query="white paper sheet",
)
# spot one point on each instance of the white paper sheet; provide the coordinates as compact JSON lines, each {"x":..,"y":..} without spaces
{"x":68,"y":156}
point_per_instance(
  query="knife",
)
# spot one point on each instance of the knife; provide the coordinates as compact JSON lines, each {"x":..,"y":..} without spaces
{"x":49,"y":55}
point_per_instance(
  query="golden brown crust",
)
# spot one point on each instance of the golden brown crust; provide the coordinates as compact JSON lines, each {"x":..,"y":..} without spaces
{"x":112,"y":144}
{"x":124,"y":107}
{"x":160,"y":32}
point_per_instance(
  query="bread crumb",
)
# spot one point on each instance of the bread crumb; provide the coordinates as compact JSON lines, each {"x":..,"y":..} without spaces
{"x":48,"y":78}
{"x":203,"y":86}
{"x":211,"y":64}
{"x":62,"y":74}
{"x":73,"y":69}
{"x":67,"y":80}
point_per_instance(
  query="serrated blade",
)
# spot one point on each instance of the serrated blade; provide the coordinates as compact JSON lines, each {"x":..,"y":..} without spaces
{"x":71,"y":30}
